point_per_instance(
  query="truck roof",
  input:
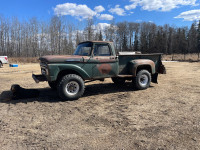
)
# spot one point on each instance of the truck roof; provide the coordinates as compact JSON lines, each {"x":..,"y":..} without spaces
{"x":96,"y":42}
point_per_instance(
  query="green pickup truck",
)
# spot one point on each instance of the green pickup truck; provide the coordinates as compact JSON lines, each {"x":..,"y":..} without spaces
{"x":97,"y":60}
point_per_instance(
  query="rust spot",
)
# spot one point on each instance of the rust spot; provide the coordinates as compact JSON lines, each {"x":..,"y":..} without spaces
{"x":104,"y":68}
{"x":105,"y":59}
{"x":140,"y":62}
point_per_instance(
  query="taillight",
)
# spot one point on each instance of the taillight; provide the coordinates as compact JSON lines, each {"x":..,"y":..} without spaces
{"x":6,"y":58}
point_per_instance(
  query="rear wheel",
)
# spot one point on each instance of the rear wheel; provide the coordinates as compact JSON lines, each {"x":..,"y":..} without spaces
{"x":142,"y":80}
{"x":71,"y":87}
{"x":53,"y":84}
{"x":118,"y":81}
{"x":1,"y":64}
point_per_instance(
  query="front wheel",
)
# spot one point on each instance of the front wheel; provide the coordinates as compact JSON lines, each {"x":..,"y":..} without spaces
{"x":71,"y":87}
{"x":142,"y":80}
{"x":1,"y":64}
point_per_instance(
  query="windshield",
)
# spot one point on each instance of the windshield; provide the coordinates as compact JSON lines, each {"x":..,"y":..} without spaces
{"x":83,"y":49}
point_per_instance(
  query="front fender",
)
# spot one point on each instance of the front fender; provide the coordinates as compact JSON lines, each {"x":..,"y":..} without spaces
{"x":55,"y":69}
{"x":134,"y":64}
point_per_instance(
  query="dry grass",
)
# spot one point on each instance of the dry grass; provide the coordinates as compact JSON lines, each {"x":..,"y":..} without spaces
{"x":165,"y":116}
{"x":23,"y":60}
{"x":181,"y":57}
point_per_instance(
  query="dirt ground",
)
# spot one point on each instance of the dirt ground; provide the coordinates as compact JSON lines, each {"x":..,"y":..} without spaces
{"x":165,"y":116}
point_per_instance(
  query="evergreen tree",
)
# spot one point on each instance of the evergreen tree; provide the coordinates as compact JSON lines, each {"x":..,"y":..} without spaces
{"x":143,"y":42}
{"x":100,"y":36}
{"x":124,"y":44}
{"x":136,"y":43}
{"x":192,"y":38}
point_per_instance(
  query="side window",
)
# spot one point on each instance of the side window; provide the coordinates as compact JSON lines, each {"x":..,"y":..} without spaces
{"x":85,"y":51}
{"x":102,"y":50}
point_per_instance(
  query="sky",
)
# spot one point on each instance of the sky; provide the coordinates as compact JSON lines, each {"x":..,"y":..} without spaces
{"x":174,"y":12}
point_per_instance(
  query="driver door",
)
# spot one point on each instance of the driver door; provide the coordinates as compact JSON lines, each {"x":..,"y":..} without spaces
{"x":105,"y":63}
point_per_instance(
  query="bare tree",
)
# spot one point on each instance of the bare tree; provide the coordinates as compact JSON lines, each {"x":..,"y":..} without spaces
{"x":131,"y":29}
{"x":122,"y":35}
{"x":90,"y":29}
{"x":70,"y":38}
{"x":2,"y":35}
{"x":198,"y":40}
{"x":58,"y":35}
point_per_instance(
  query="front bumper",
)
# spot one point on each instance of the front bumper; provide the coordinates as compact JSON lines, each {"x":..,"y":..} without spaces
{"x":39,"y":78}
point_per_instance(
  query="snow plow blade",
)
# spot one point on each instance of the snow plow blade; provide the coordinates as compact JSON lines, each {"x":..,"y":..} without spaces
{"x":39,"y":78}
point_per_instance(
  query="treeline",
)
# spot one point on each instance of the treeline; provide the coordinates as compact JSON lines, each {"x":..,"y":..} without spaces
{"x":35,"y":38}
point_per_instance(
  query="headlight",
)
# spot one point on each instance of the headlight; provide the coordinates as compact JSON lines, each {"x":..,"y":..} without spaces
{"x":44,"y":68}
{"x":44,"y":71}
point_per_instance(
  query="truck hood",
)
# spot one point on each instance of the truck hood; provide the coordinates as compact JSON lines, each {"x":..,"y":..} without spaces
{"x":62,"y":58}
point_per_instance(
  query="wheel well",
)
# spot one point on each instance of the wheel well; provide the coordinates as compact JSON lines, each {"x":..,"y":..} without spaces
{"x":144,"y":67}
{"x":65,"y":72}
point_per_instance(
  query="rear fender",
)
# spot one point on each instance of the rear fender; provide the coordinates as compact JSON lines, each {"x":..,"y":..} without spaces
{"x":147,"y":64}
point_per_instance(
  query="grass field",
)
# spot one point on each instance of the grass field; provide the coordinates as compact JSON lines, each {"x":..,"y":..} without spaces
{"x":165,"y":116}
{"x":181,"y":57}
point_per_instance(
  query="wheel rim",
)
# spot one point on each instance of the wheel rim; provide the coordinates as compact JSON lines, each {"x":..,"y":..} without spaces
{"x":143,"y":80}
{"x":72,"y":88}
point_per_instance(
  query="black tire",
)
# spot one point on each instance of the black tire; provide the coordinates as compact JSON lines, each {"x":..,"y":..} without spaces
{"x":53,"y":85}
{"x":1,"y":65}
{"x":118,"y":81}
{"x":71,"y":87}
{"x":142,"y":80}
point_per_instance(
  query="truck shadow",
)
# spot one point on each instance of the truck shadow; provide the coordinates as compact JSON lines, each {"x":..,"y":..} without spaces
{"x":97,"y":89}
{"x":51,"y":96}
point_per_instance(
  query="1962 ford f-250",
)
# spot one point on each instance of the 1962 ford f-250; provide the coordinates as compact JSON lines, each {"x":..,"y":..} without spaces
{"x":97,"y":60}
